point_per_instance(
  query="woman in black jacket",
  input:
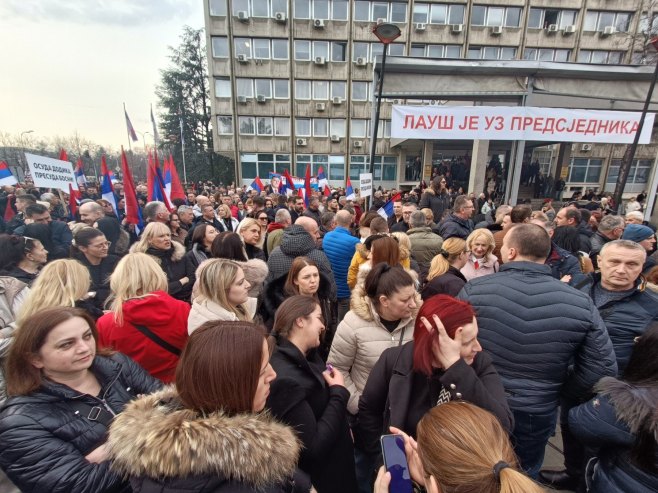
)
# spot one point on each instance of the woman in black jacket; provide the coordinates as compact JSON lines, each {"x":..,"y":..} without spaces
{"x":91,"y":249}
{"x":444,"y":362}
{"x":311,"y":398}
{"x":445,"y":276}
{"x":208,"y":435}
{"x":156,"y":241}
{"x":63,"y":396}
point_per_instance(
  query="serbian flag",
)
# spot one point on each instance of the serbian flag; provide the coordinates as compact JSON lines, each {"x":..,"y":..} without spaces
{"x":387,"y":209}
{"x":133,"y":212}
{"x":107,"y":190}
{"x":177,"y":191}
{"x":73,"y":202}
{"x":256,"y":185}
{"x":160,"y":183}
{"x":288,"y":184}
{"x":79,"y":174}
{"x":307,"y":185}
{"x":167,"y":179}
{"x":322,"y":178}
{"x":6,"y":178}
{"x":129,"y":126}
{"x":155,"y":182}
{"x":349,"y":191}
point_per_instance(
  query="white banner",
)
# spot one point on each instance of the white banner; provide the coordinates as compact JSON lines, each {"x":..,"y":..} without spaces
{"x":365,"y":184}
{"x":518,"y":123}
{"x":51,"y":173}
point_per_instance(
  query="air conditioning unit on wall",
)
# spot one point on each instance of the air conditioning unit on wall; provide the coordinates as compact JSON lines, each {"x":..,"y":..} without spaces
{"x":496,"y":30}
{"x":586,"y":147}
{"x":357,"y":144}
{"x":301,"y":142}
{"x":319,"y":23}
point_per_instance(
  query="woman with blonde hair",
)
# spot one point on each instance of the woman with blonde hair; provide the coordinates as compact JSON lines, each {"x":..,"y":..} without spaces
{"x":156,"y":242}
{"x":63,"y":282}
{"x":251,"y":233}
{"x":444,"y":276}
{"x":145,"y":322}
{"x":222,"y":294}
{"x":226,"y":218}
{"x":481,"y":261}
{"x":461,"y":447}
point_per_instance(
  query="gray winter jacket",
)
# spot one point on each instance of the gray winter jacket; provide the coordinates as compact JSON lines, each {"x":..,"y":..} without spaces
{"x":545,"y":337}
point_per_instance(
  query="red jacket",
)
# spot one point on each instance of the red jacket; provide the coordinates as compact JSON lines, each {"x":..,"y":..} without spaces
{"x":164,"y":316}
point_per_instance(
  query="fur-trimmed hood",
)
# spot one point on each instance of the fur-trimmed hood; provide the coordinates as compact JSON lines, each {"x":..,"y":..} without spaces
{"x":156,"y":437}
{"x":634,"y":405}
{"x":176,"y":253}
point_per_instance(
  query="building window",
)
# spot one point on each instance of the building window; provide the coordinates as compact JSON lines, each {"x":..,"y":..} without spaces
{"x":338,"y":127}
{"x":640,"y":172}
{"x":583,"y":170}
{"x":542,"y":18}
{"x":495,"y":16}
{"x":421,"y":13}
{"x":222,"y":87}
{"x":320,"y":127}
{"x":281,"y":127}
{"x":279,"y":6}
{"x":240,"y":6}
{"x":302,"y":9}
{"x":600,"y":56}
{"x":225,"y":125}
{"x":321,"y":9}
{"x":302,"y":50}
{"x":491,"y":53}
{"x":359,"y":91}
{"x":386,"y":167}
{"x":262,"y":48}
{"x":242,"y":46}
{"x":384,"y":129}
{"x":281,"y":88}
{"x":599,"y":20}
{"x":279,"y":49}
{"x":321,"y":49}
{"x":338,"y":51}
{"x":244,"y":87}
{"x":219,"y":47}
{"x":264,"y":125}
{"x":262,"y":165}
{"x":339,"y":10}
{"x":372,"y":11}
{"x":446,"y":14}
{"x":435,"y":51}
{"x":358,"y":129}
{"x":263,"y":87}
{"x":217,"y":7}
{"x":247,"y":125}
{"x":321,"y":90}
{"x":303,"y":127}
{"x":258,"y":8}
{"x":546,"y":54}
{"x":339,"y":89}
{"x":303,"y":89}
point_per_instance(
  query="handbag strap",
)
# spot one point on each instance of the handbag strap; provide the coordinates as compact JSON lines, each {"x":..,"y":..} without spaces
{"x":92,"y":413}
{"x":159,"y":341}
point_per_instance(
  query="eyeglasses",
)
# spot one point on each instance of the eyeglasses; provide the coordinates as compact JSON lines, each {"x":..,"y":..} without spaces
{"x":263,"y":218}
{"x":105,"y":244}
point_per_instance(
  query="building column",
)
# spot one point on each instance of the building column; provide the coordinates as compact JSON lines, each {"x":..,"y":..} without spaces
{"x":563,"y":158}
{"x":479,"y":163}
{"x":426,"y":172}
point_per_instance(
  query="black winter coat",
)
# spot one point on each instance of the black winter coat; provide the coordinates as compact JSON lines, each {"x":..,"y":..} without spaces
{"x":625,"y":319}
{"x":439,"y":203}
{"x":396,"y":395}
{"x":611,"y":422}
{"x":44,"y":441}
{"x":450,"y":283}
{"x":100,"y":275}
{"x":301,"y":398}
{"x":176,"y":266}
{"x":545,"y":338}
{"x":455,"y":226}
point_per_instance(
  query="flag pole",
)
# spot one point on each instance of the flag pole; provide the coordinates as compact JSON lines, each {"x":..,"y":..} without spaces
{"x":182,"y":141}
{"x":127,"y":130}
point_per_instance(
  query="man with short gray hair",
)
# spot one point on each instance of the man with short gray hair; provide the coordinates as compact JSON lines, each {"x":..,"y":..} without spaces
{"x":156,"y":212}
{"x":609,"y":229}
{"x":425,"y":244}
{"x":186,"y":217}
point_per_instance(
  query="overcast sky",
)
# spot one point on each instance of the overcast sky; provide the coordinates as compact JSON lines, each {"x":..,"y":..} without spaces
{"x":68,"y":65}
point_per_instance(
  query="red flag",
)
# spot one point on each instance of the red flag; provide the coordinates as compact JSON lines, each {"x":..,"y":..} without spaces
{"x":327,"y":191}
{"x":290,"y":184}
{"x":63,"y":156}
{"x":150,"y":177}
{"x":177,"y":191}
{"x":307,"y":184}
{"x":73,"y":203}
{"x":133,"y":213}
{"x":9,"y":209}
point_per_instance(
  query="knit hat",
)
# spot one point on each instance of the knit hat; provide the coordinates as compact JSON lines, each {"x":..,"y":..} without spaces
{"x":637,"y":232}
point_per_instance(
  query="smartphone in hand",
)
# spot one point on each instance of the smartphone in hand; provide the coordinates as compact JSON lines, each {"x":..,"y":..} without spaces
{"x":395,"y":462}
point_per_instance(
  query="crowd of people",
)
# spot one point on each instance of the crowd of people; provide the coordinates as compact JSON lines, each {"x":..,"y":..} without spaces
{"x":246,"y":341}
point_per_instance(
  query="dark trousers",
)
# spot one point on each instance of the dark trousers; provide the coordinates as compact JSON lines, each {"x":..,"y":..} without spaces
{"x":530,"y":436}
{"x":343,"y":308}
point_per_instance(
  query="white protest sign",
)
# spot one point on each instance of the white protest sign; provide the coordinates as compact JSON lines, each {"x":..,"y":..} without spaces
{"x":518,"y":123}
{"x":365,"y":184}
{"x":47,"y":172}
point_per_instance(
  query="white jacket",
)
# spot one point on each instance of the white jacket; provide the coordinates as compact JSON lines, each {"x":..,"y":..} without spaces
{"x":204,"y":310}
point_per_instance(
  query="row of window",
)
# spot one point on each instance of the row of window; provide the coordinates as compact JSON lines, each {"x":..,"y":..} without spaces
{"x":267,"y":126}
{"x":371,"y":11}
{"x":318,"y":90}
{"x":262,"y":165}
{"x":584,"y":170}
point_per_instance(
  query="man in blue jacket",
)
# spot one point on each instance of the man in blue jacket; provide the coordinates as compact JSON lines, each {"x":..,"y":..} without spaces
{"x":340,"y":245}
{"x":546,"y":338}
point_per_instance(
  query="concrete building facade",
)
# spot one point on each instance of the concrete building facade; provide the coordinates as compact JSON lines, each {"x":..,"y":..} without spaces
{"x":291,"y":80}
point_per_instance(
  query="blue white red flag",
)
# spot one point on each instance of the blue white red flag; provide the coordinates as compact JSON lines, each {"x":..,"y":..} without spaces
{"x":322,"y":178}
{"x":80,"y":174}
{"x":133,"y":212}
{"x":107,"y":190}
{"x":167,"y":179}
{"x":6,"y":178}
{"x":129,"y":126}
{"x":387,"y":209}
{"x":349,"y":190}
{"x":256,"y":185}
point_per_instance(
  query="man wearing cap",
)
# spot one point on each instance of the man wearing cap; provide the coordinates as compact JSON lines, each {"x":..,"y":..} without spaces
{"x":627,"y":309}
{"x":645,"y":236}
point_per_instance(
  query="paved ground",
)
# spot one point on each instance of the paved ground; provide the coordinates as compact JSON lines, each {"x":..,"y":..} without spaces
{"x":553,"y":458}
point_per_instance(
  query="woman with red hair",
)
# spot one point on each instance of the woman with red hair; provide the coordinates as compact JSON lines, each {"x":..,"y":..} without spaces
{"x":443,"y":363}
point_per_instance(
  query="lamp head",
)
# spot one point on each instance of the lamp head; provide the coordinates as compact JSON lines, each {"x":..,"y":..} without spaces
{"x":386,"y":33}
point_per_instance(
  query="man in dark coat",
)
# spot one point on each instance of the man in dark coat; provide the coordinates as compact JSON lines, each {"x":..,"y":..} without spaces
{"x":313,"y":209}
{"x":610,"y":228}
{"x":546,"y":338}
{"x":627,"y":309}
{"x":570,"y":216}
{"x":459,"y":222}
{"x":60,"y":234}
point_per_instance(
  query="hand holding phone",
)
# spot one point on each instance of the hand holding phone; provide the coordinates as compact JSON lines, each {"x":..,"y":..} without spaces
{"x":395,"y":461}
{"x":333,"y":377}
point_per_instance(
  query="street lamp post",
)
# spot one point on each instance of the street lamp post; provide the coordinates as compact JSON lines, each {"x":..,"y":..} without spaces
{"x":386,"y":33}
{"x":22,"y":142}
{"x":627,"y":160}
{"x":143,"y":134}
